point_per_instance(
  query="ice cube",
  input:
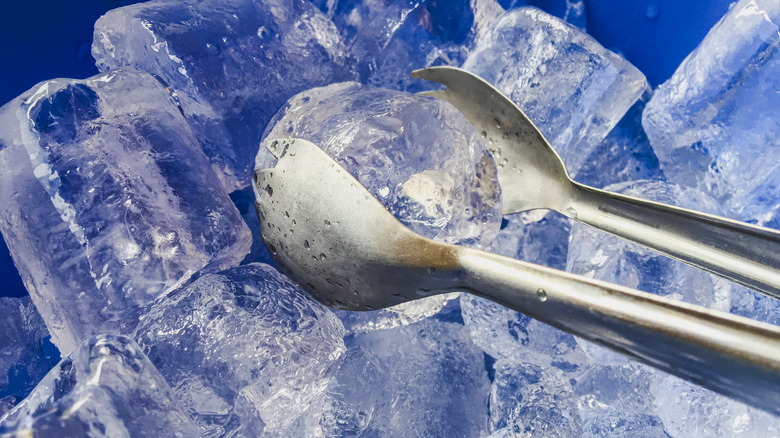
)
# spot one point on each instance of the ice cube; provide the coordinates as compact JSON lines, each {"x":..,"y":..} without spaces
{"x":418,"y":156}
{"x":531,"y":401}
{"x":595,"y":254}
{"x":624,"y":155}
{"x":571,"y":87}
{"x":231,"y":63}
{"x":715,"y":124}
{"x":691,"y":411}
{"x":618,"y":401}
{"x":570,"y":11}
{"x":423,"y":379}
{"x":104,"y":388}
{"x":109,"y":202}
{"x":26,"y":354}
{"x":348,"y":405}
{"x":389,"y":39}
{"x":245,"y":350}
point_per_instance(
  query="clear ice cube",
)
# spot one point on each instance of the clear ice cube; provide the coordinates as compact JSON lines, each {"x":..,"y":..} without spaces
{"x":231,"y":63}
{"x":104,"y":388}
{"x":389,"y":39}
{"x":691,"y":411}
{"x":245,"y":350}
{"x":423,"y":379}
{"x":109,"y":202}
{"x":531,"y":401}
{"x":26,"y":354}
{"x":571,"y":87}
{"x":715,"y":124}
{"x":618,"y":401}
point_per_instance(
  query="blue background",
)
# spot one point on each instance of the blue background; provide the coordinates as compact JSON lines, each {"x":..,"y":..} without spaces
{"x":45,"y":39}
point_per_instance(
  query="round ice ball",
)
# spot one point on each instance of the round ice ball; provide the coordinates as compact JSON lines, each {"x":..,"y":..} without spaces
{"x":418,"y":155}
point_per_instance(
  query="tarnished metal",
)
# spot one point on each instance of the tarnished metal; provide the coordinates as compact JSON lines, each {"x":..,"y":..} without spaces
{"x":533,"y":176}
{"x":328,"y":233}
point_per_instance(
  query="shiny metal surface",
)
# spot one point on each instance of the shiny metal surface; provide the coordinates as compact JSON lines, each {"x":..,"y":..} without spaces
{"x":330,"y":235}
{"x":533,"y":176}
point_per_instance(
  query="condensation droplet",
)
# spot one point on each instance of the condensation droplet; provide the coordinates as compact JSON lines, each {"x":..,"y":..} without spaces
{"x":541,"y":294}
{"x":322,"y":256}
{"x":306,"y":244}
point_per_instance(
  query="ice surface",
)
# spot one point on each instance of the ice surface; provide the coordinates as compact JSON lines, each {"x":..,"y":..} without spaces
{"x":624,"y":155}
{"x":418,"y":155}
{"x":531,"y":401}
{"x":570,"y":11}
{"x":595,"y":254}
{"x":108,"y":201}
{"x":715,"y":124}
{"x":423,"y":379}
{"x":390,"y":38}
{"x":26,"y":354}
{"x":572,"y":88}
{"x":245,"y":350}
{"x":105,"y":388}
{"x":617,"y":401}
{"x":232,"y":64}
{"x":690,"y":411}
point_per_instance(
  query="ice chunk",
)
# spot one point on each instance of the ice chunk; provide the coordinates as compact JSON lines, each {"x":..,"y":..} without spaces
{"x":572,"y":88}
{"x":595,"y":254}
{"x":232,"y":64}
{"x":570,"y":11}
{"x":690,"y":411}
{"x":618,"y":401}
{"x":105,"y":388}
{"x":389,"y":39}
{"x":424,"y":379}
{"x":715,"y":124}
{"x":348,"y":405}
{"x":26,"y":354}
{"x":245,"y":350}
{"x":109,"y":202}
{"x":418,"y":155}
{"x":624,"y":155}
{"x":530,"y":401}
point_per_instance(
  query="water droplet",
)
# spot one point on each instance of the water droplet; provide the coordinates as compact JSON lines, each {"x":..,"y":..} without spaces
{"x":322,"y":256}
{"x":484,"y":134}
{"x":431,"y":270}
{"x":269,"y":190}
{"x":327,"y":222}
{"x":286,"y":214}
{"x":541,"y":294}
{"x":306,"y":244}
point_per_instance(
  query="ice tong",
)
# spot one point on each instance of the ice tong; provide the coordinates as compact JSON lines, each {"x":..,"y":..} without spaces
{"x":328,"y":233}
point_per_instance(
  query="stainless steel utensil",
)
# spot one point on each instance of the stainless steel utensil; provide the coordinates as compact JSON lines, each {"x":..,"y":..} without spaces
{"x":533,"y":176}
{"x":328,"y":233}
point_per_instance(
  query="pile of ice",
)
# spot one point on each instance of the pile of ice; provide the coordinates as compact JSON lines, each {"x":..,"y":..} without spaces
{"x":127,"y":215}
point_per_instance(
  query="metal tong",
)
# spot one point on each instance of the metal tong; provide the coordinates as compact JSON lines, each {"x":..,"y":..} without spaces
{"x":329,"y":234}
